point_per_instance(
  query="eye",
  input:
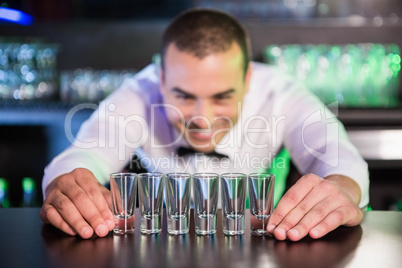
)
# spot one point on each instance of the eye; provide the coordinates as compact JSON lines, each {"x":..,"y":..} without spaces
{"x":223,"y":97}
{"x":184,"y":97}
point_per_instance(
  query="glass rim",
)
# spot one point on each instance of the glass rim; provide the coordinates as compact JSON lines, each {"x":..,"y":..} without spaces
{"x":183,"y":175}
{"x":115,"y":174}
{"x":261,"y":175}
{"x":147,"y":174}
{"x":206,"y":175}
{"x":232,"y":175}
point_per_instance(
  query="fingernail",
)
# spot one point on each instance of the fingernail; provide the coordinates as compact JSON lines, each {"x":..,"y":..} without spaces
{"x":271,"y":228}
{"x":102,"y":230}
{"x":72,"y":232}
{"x":315,"y":232}
{"x":109,"y":224}
{"x":85,"y":231}
{"x":281,"y":233}
{"x":294,"y":232}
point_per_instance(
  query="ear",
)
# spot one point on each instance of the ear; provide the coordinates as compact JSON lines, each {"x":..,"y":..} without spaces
{"x":247,"y":77}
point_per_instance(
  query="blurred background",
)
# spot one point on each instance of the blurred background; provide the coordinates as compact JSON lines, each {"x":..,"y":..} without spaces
{"x":57,"y":54}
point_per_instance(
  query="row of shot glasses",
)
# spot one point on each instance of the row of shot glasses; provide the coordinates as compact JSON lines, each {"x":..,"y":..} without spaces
{"x":177,"y":188}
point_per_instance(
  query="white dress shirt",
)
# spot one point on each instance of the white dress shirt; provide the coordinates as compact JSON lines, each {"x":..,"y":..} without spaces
{"x":276,"y":112}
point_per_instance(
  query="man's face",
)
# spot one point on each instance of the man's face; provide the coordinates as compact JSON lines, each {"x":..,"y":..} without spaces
{"x":207,"y":92}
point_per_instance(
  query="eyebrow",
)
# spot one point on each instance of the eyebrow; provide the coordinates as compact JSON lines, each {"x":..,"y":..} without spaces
{"x":178,"y":90}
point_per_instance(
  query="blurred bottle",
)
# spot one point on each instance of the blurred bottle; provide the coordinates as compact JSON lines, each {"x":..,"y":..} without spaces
{"x":354,"y":75}
{"x":4,"y":199}
{"x":29,"y":198}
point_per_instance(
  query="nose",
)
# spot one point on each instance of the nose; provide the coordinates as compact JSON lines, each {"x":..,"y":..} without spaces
{"x":203,"y":114}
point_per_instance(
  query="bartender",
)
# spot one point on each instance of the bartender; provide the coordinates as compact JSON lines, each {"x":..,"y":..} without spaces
{"x":207,"y":99}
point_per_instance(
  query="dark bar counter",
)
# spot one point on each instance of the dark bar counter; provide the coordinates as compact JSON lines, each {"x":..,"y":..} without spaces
{"x":27,"y":242}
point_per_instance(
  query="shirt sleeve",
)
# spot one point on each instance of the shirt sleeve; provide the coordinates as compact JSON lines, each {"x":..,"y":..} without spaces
{"x":318,"y":141}
{"x":106,"y":141}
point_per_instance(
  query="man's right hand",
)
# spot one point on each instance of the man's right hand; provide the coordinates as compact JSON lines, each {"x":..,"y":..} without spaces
{"x":77,"y":203}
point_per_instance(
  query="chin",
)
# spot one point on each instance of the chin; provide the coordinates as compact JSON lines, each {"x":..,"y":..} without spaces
{"x":200,"y":147}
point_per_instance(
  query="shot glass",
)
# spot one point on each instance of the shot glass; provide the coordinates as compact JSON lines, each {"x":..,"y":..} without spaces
{"x":177,"y":193}
{"x":233,"y":202}
{"x":151,"y":200}
{"x":261,"y":195}
{"x":123,"y":187}
{"x":205,"y":192}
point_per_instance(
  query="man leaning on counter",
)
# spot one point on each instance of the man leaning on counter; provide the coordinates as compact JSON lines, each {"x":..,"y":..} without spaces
{"x":207,"y":95}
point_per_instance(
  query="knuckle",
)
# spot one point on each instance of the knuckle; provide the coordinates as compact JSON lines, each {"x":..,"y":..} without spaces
{"x":287,"y":224}
{"x":45,"y":213}
{"x":338,"y":215}
{"x":79,"y":196}
{"x":277,"y":216}
{"x":94,"y":219}
{"x":303,"y":227}
{"x":61,"y":203}
{"x":291,"y":197}
{"x":303,"y":208}
{"x":321,"y":211}
{"x":62,"y":180}
{"x":327,"y":186}
{"x":325,"y":225}
{"x":92,"y":193}
{"x":312,"y":178}
{"x":81,"y":172}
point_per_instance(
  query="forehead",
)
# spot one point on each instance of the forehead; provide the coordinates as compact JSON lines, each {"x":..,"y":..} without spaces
{"x":215,"y":72}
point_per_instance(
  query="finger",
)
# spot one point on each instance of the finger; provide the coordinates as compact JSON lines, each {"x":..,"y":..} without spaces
{"x":86,"y":207}
{"x":100,"y":199}
{"x":291,"y":199}
{"x":312,"y":218}
{"x":108,"y":197}
{"x":312,"y":209}
{"x":70,"y":215}
{"x":50,"y":215}
{"x":346,"y":215}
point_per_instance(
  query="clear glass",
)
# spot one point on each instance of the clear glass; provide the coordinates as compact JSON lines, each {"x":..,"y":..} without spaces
{"x":151,"y":200}
{"x":178,"y":202}
{"x":261,"y":194}
{"x":123,"y":187}
{"x":233,"y":198}
{"x":205,"y":188}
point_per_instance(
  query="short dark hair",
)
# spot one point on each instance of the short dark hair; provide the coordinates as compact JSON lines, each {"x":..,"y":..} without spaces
{"x":203,"y":31}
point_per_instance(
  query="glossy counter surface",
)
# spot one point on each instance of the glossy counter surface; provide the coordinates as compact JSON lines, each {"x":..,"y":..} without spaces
{"x":27,"y":242}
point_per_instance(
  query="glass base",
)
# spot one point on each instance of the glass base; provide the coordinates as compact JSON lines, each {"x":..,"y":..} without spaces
{"x":260,"y":232}
{"x":258,"y":225}
{"x":205,"y":225}
{"x":233,"y":226}
{"x":151,"y":226}
{"x":123,"y":231}
{"x":202,"y":232}
{"x":179,"y":226}
{"x":226,"y":232}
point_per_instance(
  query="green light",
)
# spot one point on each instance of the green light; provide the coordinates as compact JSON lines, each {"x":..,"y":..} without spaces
{"x":396,"y":59}
{"x":4,"y":202}
{"x":399,"y":205}
{"x":396,"y":68}
{"x":28,"y":185}
{"x":3,"y":184}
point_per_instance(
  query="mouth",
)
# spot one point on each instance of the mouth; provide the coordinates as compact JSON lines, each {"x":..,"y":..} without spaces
{"x":199,"y":133}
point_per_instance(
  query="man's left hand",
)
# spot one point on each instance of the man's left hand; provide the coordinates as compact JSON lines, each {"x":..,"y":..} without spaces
{"x":315,"y":206}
